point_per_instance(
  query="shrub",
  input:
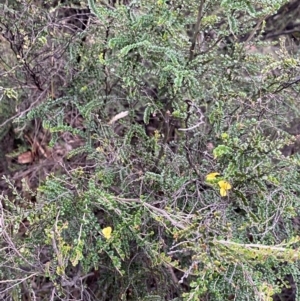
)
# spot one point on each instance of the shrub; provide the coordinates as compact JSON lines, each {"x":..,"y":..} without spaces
{"x":177,"y":186}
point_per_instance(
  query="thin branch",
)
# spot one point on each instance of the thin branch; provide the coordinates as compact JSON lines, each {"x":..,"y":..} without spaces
{"x":192,"y":127}
{"x":258,"y":246}
{"x":197,"y":30}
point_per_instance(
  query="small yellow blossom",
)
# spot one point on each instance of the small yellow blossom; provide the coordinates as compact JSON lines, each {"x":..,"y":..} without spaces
{"x":224,"y":136}
{"x":224,"y":186}
{"x":212,"y":176}
{"x":107,"y":232}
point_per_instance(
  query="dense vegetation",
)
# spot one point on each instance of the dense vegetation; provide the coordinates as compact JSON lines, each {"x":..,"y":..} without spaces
{"x":149,"y":150}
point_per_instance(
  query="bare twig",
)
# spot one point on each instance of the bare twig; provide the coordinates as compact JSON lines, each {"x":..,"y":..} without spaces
{"x":197,"y":30}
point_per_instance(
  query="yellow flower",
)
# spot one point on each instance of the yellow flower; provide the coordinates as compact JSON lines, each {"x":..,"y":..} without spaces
{"x":224,"y":186}
{"x":224,"y":136}
{"x":212,"y":176}
{"x":107,"y":232}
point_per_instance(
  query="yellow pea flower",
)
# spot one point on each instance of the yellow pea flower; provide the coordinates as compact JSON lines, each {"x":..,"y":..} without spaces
{"x":212,"y":176}
{"x":224,"y":186}
{"x":107,"y":232}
